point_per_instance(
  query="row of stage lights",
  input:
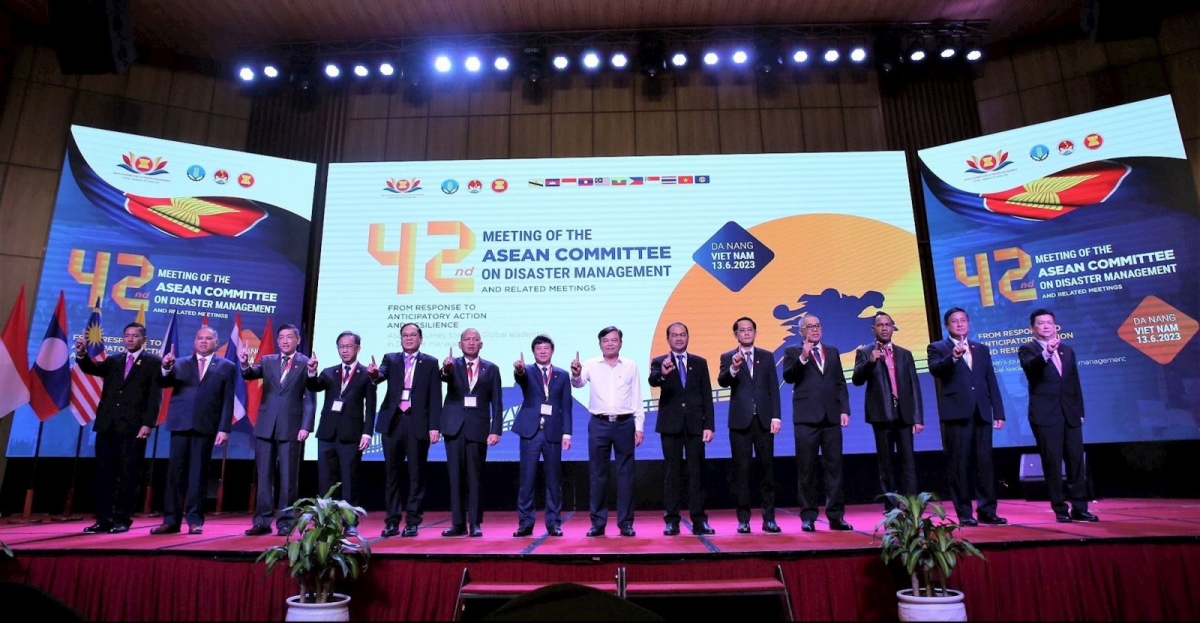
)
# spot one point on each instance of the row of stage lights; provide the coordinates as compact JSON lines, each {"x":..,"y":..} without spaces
{"x":766,"y":58}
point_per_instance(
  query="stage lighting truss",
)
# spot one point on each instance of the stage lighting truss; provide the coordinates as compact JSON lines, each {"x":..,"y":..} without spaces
{"x":534,"y":57}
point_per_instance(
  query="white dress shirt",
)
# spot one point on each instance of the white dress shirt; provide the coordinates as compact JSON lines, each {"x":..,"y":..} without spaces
{"x":616,"y":389}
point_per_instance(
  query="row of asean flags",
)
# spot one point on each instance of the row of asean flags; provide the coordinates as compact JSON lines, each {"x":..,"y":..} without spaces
{"x":555,"y":182}
{"x":51,"y":385}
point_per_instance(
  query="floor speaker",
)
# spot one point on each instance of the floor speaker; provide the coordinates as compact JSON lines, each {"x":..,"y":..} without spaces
{"x":92,"y":36}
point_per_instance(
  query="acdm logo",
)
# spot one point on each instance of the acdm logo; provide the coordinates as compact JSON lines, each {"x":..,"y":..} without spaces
{"x":195,"y":173}
{"x":1093,"y":141}
{"x":221,"y":176}
{"x":1066,"y":148}
{"x":245,"y":180}
{"x":143,"y":165}
{"x":450,"y":186}
{"x":988,"y":163}
{"x":1039,"y":153}
{"x":499,"y":185}
{"x":403,"y":186}
{"x":474,"y":186}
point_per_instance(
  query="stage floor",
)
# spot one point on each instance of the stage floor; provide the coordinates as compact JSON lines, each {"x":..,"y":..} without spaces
{"x":1029,"y":522}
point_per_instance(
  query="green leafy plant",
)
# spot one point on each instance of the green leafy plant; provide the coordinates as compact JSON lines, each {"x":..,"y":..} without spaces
{"x":916,"y":534}
{"x":318,"y":552}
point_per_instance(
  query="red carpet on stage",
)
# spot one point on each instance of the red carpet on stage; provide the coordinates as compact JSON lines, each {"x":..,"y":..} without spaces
{"x":1140,"y":562}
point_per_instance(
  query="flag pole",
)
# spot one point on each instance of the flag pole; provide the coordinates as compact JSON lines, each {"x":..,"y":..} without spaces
{"x":150,"y":481}
{"x":27,"y":512}
{"x":221,"y":479}
{"x":69,"y":502}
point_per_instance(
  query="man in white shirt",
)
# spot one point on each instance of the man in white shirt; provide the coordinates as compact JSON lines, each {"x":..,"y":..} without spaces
{"x":615,"y":426}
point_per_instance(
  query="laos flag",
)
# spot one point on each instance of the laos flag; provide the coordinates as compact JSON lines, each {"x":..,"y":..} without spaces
{"x":50,"y":376}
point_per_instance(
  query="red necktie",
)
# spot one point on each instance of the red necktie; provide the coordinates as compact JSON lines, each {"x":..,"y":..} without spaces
{"x":1057,"y":362}
{"x":471,"y":375}
{"x":203,"y":366}
{"x":891,"y":366}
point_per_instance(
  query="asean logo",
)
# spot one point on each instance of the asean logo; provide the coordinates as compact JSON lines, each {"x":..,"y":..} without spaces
{"x":195,"y":173}
{"x":221,"y":176}
{"x":988,"y":163}
{"x":1039,"y":153}
{"x":450,"y":186}
{"x":499,"y":185}
{"x":403,"y":186}
{"x":245,"y":180}
{"x":143,"y":165}
{"x":474,"y":186}
{"x":1066,"y":148}
{"x":1093,"y":141}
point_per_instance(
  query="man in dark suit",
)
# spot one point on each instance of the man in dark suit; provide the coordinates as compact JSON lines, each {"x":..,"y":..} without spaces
{"x":969,"y":408}
{"x":754,"y":420}
{"x":409,"y":420}
{"x":892,"y":406}
{"x":285,"y":418}
{"x":544,"y":426}
{"x":347,"y":418}
{"x":1056,"y":414}
{"x":472,"y":417}
{"x":199,"y":416}
{"x":685,"y":422}
{"x":820,"y":410}
{"x":127,"y":411}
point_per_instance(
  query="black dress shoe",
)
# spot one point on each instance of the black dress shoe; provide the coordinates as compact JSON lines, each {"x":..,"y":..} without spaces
{"x":164,"y":529}
{"x":1083,"y":516}
{"x":452,"y":531}
{"x":969,"y":521}
{"x":390,"y":530}
{"x":197,"y":529}
{"x":118,"y":528}
{"x":523,"y":531}
{"x":97,"y":528}
{"x":628,"y":531}
{"x":258,"y":531}
{"x":701,"y":528}
{"x":743,"y":527}
{"x":410,"y":531}
{"x":596,"y":531}
{"x":672,"y":529}
{"x":839,"y":524}
{"x":992,"y":520}
{"x":283,"y":530}
{"x":556,"y":531}
{"x":476,"y":530}
{"x":808,"y":525}
{"x":1062,"y":518}
{"x":771,"y":527}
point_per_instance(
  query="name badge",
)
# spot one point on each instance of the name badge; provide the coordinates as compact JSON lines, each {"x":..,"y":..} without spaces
{"x":547,"y":409}
{"x":404,"y":395}
{"x":469,"y":402}
{"x":337,"y":406}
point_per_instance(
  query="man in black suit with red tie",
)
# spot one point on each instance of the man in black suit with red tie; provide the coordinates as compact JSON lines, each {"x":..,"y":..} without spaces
{"x":754,"y":420}
{"x":127,"y":411}
{"x":820,"y":410}
{"x":472,"y":417}
{"x":544,"y":425}
{"x":969,"y":408}
{"x":409,"y":420}
{"x":892,"y":406}
{"x":686,"y":423}
{"x":347,"y":418}
{"x":1056,"y":415}
{"x":199,"y":416}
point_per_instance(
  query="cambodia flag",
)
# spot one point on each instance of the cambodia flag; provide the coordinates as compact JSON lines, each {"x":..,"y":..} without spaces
{"x":50,"y":376}
{"x":170,"y":344}
{"x":233,"y":352}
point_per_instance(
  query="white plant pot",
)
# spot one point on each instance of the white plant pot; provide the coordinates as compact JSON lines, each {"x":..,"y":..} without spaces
{"x":945,"y":606}
{"x":337,"y":609}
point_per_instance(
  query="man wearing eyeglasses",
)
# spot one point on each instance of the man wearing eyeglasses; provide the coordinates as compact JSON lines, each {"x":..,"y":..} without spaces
{"x":892,"y":406}
{"x":820,"y":410}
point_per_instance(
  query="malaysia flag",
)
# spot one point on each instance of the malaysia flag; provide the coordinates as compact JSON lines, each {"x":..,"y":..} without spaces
{"x":85,"y":388}
{"x":50,"y":377}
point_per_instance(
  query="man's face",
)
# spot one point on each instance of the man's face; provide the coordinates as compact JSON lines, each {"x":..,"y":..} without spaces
{"x":810,"y":328}
{"x":470,"y":343}
{"x":133,"y":339}
{"x":542,"y":353}
{"x":410,"y":338}
{"x":883,"y":328}
{"x":206,"y":342}
{"x":347,"y":349}
{"x":610,"y":344}
{"x":1044,"y":327}
{"x":958,"y":325}
{"x":287,"y":340}
{"x":677,"y":337}
{"x":746,"y":333}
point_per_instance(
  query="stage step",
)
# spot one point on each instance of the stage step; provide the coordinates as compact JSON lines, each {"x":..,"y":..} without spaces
{"x":749,"y":587}
{"x":468,"y":589}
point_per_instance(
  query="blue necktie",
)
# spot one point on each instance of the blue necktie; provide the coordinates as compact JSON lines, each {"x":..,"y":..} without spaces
{"x":682,"y":370}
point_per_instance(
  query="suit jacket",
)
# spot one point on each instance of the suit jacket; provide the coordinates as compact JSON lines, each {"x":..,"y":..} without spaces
{"x":961,"y":388}
{"x":287,"y":406}
{"x":126,"y":403}
{"x":426,"y":398}
{"x":200,"y":406}
{"x":1052,"y":396}
{"x":487,"y":416}
{"x":357,"y":416}
{"x":751,"y":396}
{"x":682,"y":408}
{"x":878,"y":403}
{"x":558,"y":423}
{"x":817,"y":397}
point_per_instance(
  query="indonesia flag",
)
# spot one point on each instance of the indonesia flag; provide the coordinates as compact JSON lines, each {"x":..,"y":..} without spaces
{"x":233,"y":352}
{"x":85,"y":388}
{"x":14,"y":359}
{"x":50,"y":377}
{"x":170,"y":344}
{"x":266,"y":346}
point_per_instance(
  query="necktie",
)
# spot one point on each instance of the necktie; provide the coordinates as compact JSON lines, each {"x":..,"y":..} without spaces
{"x":546,"y":381}
{"x":283,"y":366}
{"x":471,"y":375}
{"x":816,"y":353}
{"x":1057,"y":362}
{"x":749,"y":355}
{"x":891,"y":366}
{"x":967,"y":353}
{"x":408,"y":378}
{"x":345,"y":377}
{"x":129,"y":359}
{"x":203,"y":366}
{"x":682,"y":370}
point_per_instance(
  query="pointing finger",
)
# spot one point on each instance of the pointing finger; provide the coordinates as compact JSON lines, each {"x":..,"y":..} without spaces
{"x":372,"y":359}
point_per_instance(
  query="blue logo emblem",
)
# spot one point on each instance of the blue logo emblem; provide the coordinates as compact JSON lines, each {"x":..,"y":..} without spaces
{"x":734,"y":256}
{"x":195,"y":173}
{"x":450,"y":187}
{"x":1039,"y":153}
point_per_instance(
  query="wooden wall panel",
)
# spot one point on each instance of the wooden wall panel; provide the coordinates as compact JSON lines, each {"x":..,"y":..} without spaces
{"x":777,"y":90}
{"x":1131,"y":51}
{"x":864,"y":129}
{"x":231,"y":101}
{"x":11,"y":119}
{"x":1183,"y":75}
{"x":858,"y":87}
{"x":228,"y":133}
{"x":1036,"y":67}
{"x":571,"y":135}
{"x":408,"y":102}
{"x":108,"y":84}
{"x":1044,"y":103}
{"x":656,"y":93}
{"x":570,"y":93}
{"x":45,"y":69}
{"x":368,"y":103}
{"x":737,"y":90}
{"x":16,"y":271}
{"x":447,"y":138}
{"x":995,"y":77}
{"x":1177,"y":33}
{"x":529,"y":136}
{"x":365,"y":140}
{"x":526,"y":97}
{"x":613,"y":92}
{"x":406,"y":139}
{"x":25,"y":210}
{"x":824,"y":129}
{"x":188,"y":126}
{"x":741,"y":132}
{"x":695,"y":91}
{"x":699,"y":132}
{"x":612,"y":134}
{"x":449,"y":98}
{"x":1081,"y":57}
{"x":1000,"y":113}
{"x":819,"y":88}
{"x":1140,"y":81}
{"x":492,"y":96}
{"x":41,"y":137}
{"x":148,"y":84}
{"x":655,"y":133}
{"x":191,"y":91}
{"x":782,"y":130}
{"x":487,"y":137}
{"x":1090,"y":92}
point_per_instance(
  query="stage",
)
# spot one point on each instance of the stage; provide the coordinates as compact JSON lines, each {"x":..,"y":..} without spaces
{"x":1141,"y":561}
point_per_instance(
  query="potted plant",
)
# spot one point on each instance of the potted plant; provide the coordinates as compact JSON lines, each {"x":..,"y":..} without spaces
{"x":318,"y":553}
{"x":917,"y":534}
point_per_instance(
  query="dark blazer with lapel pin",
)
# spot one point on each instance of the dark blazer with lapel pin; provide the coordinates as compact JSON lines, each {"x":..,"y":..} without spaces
{"x":878,"y":404}
{"x":751,"y":395}
{"x":487,"y":417}
{"x":962,"y":388}
{"x":357,"y":416}
{"x":287,"y":406}
{"x":426,"y":410}
{"x":817,"y":396}
{"x":683,"y":409}
{"x":201,"y":406}
{"x":558,"y":423}
{"x":126,"y":403}
{"x":1052,"y":396}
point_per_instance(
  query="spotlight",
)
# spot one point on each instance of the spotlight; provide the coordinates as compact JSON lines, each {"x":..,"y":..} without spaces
{"x":560,"y":62}
{"x":916,"y":50}
{"x":800,"y":56}
{"x":590,"y":60}
{"x":473,"y":64}
{"x":946,"y":47}
{"x":651,"y":58}
{"x":332,"y":70}
{"x":270,"y":71}
{"x":501,"y":63}
{"x":711,"y":58}
{"x":533,"y":61}
{"x":361,"y":70}
{"x":974,"y":49}
{"x":386,"y":69}
{"x":442,"y":63}
{"x":414,"y":68}
{"x":619,"y":60}
{"x":246,"y":74}
{"x":858,"y":53}
{"x":679,"y":59}
{"x":768,"y":56}
{"x":831,"y":55}
{"x":739,"y":57}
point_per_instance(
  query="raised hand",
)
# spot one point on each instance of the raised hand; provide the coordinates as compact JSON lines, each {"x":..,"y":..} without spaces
{"x":668,"y":364}
{"x":576,"y":367}
{"x":312,"y":364}
{"x":373,"y":369}
{"x":806,"y":352}
{"x":738,"y":360}
{"x":448,"y":362}
{"x":960,"y":348}
{"x":876,"y":352}
{"x":80,"y":349}
{"x":519,"y":365}
{"x":168,"y":360}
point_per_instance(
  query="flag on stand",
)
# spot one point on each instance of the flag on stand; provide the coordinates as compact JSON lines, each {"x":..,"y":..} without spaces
{"x":233,"y":352}
{"x":50,"y":376}
{"x":170,"y":342}
{"x":85,"y":388}
{"x":14,"y":359}
{"x":266,"y":346}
